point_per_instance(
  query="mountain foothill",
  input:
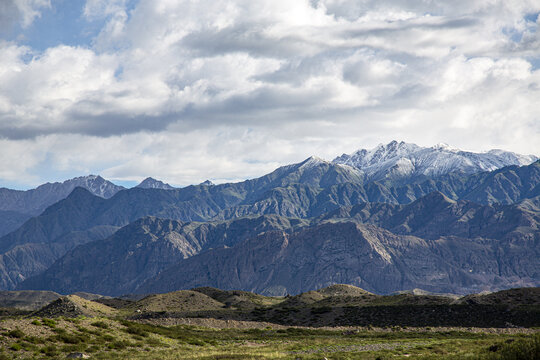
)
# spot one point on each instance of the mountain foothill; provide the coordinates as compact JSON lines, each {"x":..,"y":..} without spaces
{"x":393,"y":218}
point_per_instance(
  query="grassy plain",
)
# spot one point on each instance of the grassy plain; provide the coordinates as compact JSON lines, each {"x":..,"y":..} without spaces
{"x":107,"y":338}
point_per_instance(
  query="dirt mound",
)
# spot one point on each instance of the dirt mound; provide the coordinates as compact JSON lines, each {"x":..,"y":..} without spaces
{"x":239,"y":299}
{"x":177,"y":301}
{"x":73,"y":306}
{"x":520,"y":296}
{"x":343,"y":290}
{"x":304,"y":299}
{"x":89,"y":296}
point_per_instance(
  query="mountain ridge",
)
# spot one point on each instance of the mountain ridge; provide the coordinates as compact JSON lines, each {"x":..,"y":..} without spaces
{"x":406,"y":162}
{"x":431,"y":226}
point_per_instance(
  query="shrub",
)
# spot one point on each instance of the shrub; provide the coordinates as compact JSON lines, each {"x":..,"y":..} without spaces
{"x":100,"y":324}
{"x":34,"y":340}
{"x":119,"y":344}
{"x":107,"y":337}
{"x":16,"y":334}
{"x":15,"y":347}
{"x":70,"y":339}
{"x":49,"y":350}
{"x":321,"y":310}
{"x":48,"y":322}
{"x":523,"y":349}
{"x":135,"y":330}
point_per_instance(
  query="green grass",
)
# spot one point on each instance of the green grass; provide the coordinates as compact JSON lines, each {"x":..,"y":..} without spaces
{"x":121,"y":339}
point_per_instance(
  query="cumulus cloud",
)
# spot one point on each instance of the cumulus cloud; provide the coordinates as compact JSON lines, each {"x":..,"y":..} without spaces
{"x":297,"y":78}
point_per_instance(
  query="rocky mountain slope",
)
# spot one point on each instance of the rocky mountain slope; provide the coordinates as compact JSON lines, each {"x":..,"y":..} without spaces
{"x":403,"y":162}
{"x":375,"y":259}
{"x":18,"y":206}
{"x":11,"y":220}
{"x":434,"y":243}
{"x":139,"y":251}
{"x":305,"y":190}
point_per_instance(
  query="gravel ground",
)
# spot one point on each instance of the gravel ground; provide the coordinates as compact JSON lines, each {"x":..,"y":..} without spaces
{"x":236,"y":324}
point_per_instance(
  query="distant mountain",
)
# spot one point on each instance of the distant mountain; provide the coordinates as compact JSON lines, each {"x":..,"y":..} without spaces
{"x":308,"y":189}
{"x":278,"y":263}
{"x":434,"y":243}
{"x":25,"y":204}
{"x":34,"y":201}
{"x":121,"y":263}
{"x":34,"y":246}
{"x":400,"y":161}
{"x":151,"y":183}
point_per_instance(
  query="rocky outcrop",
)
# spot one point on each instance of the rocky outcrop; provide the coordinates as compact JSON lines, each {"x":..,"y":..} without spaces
{"x":73,"y":306}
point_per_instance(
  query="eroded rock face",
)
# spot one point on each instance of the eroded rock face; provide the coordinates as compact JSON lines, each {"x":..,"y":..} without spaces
{"x":434,"y":243}
{"x":121,"y":263}
{"x":366,"y":256}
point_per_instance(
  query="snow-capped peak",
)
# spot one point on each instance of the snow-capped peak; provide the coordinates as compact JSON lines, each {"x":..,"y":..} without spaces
{"x":444,"y":147}
{"x":93,"y":183}
{"x":311,"y":162}
{"x":405,"y":161}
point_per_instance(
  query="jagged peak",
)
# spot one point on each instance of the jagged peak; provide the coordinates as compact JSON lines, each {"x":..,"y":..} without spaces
{"x":86,"y":177}
{"x":151,"y":183}
{"x":408,"y":161}
{"x":312,"y":161}
{"x":207,"y":183}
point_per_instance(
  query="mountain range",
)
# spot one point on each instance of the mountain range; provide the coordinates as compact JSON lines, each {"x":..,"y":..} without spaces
{"x":403,"y":162}
{"x":434,"y":243}
{"x":445,"y":227}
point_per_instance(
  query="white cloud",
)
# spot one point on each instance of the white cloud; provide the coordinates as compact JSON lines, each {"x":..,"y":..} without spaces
{"x":184,"y":80}
{"x":96,"y":9}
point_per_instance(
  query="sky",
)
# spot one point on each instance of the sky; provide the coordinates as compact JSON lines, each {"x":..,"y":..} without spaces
{"x":189,"y":90}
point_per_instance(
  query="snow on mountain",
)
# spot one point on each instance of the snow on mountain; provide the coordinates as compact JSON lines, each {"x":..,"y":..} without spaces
{"x":402,"y":161}
{"x":151,"y":183}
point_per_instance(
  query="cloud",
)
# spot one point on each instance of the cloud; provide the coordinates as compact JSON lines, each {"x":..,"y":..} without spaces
{"x":21,"y":12}
{"x":319,"y":76}
{"x":97,"y":9}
